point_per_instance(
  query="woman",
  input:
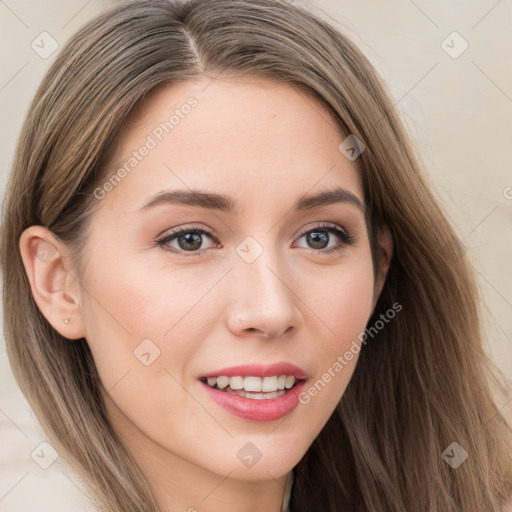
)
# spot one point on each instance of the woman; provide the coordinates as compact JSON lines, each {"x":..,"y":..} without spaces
{"x":233,"y":286}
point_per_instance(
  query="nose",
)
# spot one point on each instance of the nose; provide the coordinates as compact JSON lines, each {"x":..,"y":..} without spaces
{"x":263,"y":302}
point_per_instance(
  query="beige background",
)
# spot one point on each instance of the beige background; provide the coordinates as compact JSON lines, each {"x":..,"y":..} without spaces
{"x":458,"y":110}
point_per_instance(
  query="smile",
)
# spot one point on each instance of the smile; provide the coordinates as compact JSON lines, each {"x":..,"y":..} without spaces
{"x":255,"y":405}
{"x":252,"y":387}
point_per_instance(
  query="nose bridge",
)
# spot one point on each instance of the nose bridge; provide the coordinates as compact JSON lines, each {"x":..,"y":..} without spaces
{"x":263,"y":297}
{"x":264,"y":275}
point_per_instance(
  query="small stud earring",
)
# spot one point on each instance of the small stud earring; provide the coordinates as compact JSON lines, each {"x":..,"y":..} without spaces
{"x":66,"y":320}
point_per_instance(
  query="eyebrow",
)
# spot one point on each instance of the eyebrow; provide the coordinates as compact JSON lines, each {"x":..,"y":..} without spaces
{"x":227,"y":204}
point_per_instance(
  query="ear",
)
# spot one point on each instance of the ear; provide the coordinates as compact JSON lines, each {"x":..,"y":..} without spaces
{"x":385,"y":241}
{"x":56,"y":291}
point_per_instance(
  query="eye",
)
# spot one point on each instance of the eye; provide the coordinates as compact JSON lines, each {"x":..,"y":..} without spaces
{"x":319,"y":237}
{"x":188,"y":239}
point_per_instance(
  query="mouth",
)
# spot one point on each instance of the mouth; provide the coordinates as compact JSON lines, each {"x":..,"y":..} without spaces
{"x":253,"y":387}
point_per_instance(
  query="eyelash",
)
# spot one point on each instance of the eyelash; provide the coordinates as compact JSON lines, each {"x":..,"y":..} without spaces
{"x":346,"y":239}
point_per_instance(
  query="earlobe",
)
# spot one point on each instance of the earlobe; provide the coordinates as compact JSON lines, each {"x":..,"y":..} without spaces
{"x":385,"y":242}
{"x":55,"y":290}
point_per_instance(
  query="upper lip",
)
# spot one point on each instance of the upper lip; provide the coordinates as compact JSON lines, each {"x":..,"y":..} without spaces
{"x":260,"y":370}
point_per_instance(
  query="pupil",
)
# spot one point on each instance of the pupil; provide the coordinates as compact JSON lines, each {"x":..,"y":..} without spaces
{"x":192,"y":241}
{"x":317,"y":238}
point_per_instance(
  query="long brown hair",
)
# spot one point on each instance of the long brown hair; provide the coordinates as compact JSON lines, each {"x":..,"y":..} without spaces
{"x":420,"y":384}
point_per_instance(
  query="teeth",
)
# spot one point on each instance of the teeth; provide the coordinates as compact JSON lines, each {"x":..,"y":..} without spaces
{"x":253,"y":384}
{"x":222,"y":381}
{"x":269,"y":384}
{"x":290,"y":381}
{"x":236,"y":382}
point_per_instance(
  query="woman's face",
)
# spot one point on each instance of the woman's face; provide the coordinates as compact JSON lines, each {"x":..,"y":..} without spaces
{"x":262,"y":283}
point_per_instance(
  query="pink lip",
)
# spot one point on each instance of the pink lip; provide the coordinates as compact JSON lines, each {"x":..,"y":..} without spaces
{"x":257,"y":410}
{"x":259,"y":370}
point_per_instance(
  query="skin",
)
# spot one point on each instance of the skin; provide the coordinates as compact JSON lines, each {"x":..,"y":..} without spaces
{"x":265,"y":145}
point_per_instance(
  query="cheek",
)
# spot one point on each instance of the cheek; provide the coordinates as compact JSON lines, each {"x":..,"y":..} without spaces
{"x":342,"y":311}
{"x":142,"y":325}
{"x":137,"y":332}
{"x":341,"y":298}
{"x":126,"y":315}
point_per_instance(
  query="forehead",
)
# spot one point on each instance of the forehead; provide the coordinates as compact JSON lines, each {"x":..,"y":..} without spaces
{"x":259,"y":139}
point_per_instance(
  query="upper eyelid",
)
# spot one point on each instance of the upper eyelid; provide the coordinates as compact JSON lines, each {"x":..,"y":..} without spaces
{"x":321,"y":225}
{"x":209,"y":232}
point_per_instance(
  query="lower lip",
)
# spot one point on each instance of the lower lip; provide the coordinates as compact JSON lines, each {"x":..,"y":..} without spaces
{"x":257,"y":410}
